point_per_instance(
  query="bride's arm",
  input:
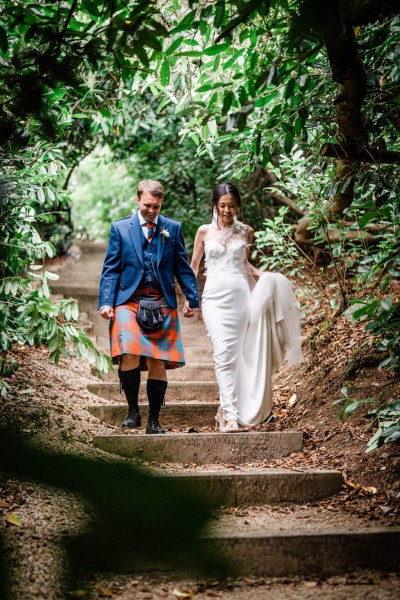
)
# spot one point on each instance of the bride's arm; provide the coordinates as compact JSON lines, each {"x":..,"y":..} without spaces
{"x":250,"y":235}
{"x":198,"y":249}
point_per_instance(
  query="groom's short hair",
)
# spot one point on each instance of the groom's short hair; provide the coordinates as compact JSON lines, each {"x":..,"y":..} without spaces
{"x":150,"y":185}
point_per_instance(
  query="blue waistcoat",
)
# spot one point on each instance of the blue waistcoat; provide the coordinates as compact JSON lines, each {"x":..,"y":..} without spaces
{"x":149,"y":259}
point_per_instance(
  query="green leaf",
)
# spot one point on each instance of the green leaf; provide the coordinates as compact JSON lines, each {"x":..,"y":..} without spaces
{"x":367,"y":218}
{"x":386,"y":304}
{"x":228,"y":64}
{"x":266,"y":99}
{"x":227,"y":101}
{"x":210,"y":86}
{"x":289,"y":89}
{"x":242,"y":120}
{"x":190,"y":53}
{"x":163,"y":103}
{"x":288,"y":142}
{"x":266,"y":156}
{"x":217,"y":49}
{"x":212,"y":126}
{"x":174,"y":46}
{"x":219,"y":14}
{"x":165,"y":72}
{"x":141,"y":54}
{"x":256,"y":145}
{"x":368,"y":309}
{"x":349,"y":408}
{"x":91,"y":7}
{"x":246,"y":9}
{"x":52,"y":276}
{"x":371,"y":325}
{"x":151,"y":40}
{"x":261,"y":79}
{"x":3,"y":40}
{"x":186,"y":23}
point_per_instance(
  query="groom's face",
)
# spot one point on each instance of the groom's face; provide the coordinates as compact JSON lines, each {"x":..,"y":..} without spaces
{"x":149,"y":206}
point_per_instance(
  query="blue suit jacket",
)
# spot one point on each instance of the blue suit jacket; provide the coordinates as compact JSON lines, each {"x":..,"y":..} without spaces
{"x":123,"y":265}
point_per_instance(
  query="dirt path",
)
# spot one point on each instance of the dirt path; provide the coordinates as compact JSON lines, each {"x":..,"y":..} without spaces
{"x":49,"y":404}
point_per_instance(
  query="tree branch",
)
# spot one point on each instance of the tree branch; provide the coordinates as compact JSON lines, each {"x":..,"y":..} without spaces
{"x":302,"y":235}
{"x":245,"y":12}
{"x":68,"y":19}
{"x":359,"y":153}
{"x":282,"y":199}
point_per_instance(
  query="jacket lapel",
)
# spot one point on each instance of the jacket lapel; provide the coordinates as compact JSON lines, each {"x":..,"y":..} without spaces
{"x":161,"y":241}
{"x":136,"y":235}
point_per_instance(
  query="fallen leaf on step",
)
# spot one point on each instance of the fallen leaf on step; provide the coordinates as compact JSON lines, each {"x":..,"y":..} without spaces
{"x":103,"y":591}
{"x":293,"y":400}
{"x":385,"y":509}
{"x":280,"y":413}
{"x":311,"y":584}
{"x":14,"y":519}
{"x":77,"y":593}
{"x":178,"y":594}
{"x":360,"y":489}
{"x":4,"y":504}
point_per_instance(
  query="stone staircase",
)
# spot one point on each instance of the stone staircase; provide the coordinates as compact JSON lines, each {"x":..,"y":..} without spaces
{"x":220,"y":466}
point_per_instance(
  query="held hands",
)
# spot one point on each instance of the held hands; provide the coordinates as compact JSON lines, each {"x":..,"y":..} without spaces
{"x":107,"y":312}
{"x":187,"y":311}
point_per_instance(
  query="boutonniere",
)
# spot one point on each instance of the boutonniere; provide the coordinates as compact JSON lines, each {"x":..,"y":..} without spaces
{"x":165,"y":233}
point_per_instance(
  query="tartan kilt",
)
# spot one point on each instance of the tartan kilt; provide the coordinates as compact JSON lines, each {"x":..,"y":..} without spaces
{"x":126,"y":337}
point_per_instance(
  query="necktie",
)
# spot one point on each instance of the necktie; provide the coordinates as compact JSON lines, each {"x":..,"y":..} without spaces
{"x":150,"y":230}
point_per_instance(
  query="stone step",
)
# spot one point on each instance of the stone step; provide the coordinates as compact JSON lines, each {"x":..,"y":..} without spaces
{"x":74,"y":290}
{"x":177,"y":391}
{"x":195,"y":337}
{"x":190,"y":414}
{"x":193,"y":372}
{"x":203,"y":448}
{"x":87,"y":296}
{"x":269,"y":486}
{"x":299,"y":553}
{"x":198,"y":355}
{"x":188,"y":328}
{"x":187,"y":325}
{"x":193,"y":354}
{"x":103,"y":343}
{"x":93,"y":248}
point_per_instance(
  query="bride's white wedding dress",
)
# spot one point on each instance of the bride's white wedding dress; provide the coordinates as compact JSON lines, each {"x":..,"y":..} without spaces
{"x":251,"y":327}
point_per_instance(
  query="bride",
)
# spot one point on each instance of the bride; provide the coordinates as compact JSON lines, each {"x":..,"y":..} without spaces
{"x":251,"y":325}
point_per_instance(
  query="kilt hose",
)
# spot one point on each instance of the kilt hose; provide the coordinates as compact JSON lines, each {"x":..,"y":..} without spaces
{"x":126,"y":337}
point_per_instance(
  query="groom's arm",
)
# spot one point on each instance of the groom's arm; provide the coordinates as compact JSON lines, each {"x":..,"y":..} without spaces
{"x":111,"y":270}
{"x":184,"y":272}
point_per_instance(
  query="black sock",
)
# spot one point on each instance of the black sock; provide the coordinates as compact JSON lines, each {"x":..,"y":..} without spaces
{"x":130,"y":383}
{"x":156,"y":389}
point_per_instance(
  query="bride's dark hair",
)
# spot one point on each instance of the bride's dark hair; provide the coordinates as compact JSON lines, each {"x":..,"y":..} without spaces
{"x":221,"y":190}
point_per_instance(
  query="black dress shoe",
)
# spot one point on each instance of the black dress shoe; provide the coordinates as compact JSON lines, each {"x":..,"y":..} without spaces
{"x":153,"y":426}
{"x":132,"y":420}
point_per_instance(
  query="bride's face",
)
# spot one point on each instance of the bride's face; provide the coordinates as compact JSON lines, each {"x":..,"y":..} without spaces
{"x":227,"y":209}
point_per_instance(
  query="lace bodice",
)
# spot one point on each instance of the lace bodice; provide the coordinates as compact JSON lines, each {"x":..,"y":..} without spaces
{"x":226,"y":253}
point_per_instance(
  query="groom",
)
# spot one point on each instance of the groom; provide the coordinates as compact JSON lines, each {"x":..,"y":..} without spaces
{"x":145,"y":252}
